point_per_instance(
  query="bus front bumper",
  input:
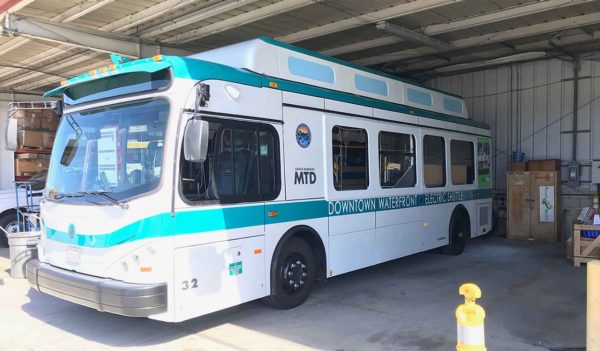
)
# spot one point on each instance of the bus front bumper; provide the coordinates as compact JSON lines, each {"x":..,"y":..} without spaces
{"x":103,"y":294}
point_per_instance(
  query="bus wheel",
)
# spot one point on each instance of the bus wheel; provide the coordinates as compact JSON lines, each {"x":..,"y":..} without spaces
{"x":8,"y":222}
{"x":294,"y":275}
{"x":459,"y":232}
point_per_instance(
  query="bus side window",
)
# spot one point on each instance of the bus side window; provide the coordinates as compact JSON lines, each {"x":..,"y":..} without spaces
{"x":242,"y":165}
{"x":434,"y":160}
{"x":462,"y":158}
{"x":397,"y":167}
{"x":350,"y":158}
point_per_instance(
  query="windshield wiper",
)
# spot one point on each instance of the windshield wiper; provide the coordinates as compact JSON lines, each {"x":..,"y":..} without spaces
{"x":62,"y":195}
{"x":104,"y":194}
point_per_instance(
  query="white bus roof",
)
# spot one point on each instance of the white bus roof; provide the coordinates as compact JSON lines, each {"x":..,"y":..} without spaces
{"x":280,"y":60}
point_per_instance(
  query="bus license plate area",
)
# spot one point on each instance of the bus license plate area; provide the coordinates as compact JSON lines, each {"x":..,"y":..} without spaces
{"x":73,"y":256}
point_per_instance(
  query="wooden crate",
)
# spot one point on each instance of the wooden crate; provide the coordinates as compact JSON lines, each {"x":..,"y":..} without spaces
{"x":585,"y":249}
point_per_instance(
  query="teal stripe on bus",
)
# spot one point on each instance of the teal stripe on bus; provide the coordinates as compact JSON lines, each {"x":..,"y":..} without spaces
{"x":295,"y":211}
{"x":146,"y":228}
{"x":214,"y":219}
{"x":200,"y":221}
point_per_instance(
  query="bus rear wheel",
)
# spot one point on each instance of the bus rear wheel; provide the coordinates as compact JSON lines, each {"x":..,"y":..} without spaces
{"x":459,"y":233}
{"x":294,"y":275}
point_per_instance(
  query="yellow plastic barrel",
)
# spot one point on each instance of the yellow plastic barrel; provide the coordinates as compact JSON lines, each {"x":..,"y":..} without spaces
{"x":469,"y":320}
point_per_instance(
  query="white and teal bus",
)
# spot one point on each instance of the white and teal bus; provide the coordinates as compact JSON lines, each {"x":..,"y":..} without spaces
{"x":179,"y":186}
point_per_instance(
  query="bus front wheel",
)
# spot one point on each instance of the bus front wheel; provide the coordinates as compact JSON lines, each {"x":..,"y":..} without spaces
{"x":294,"y":275}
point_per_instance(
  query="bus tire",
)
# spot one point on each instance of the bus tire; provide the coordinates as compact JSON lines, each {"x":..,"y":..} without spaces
{"x":8,"y":222}
{"x":294,"y":272}
{"x":459,"y":233}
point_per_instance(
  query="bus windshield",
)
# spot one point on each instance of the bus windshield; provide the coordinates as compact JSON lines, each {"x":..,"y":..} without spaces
{"x":113,"y":151}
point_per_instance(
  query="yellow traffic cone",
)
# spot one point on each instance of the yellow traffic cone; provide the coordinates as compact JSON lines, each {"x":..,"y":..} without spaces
{"x":469,"y":320}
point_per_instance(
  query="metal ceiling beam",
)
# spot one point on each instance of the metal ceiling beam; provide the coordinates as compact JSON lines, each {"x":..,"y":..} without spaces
{"x":492,"y":38}
{"x":428,"y":64}
{"x":525,"y":56}
{"x":238,"y":20}
{"x":413,"y":36}
{"x":74,"y":72}
{"x":84,"y":37}
{"x":44,"y":57}
{"x":129,"y":22}
{"x":194,"y":17}
{"x":81,"y":10}
{"x":470,"y":22}
{"x":578,"y":38}
{"x":362,"y":45}
{"x":56,"y":68}
{"x":502,"y":15}
{"x":405,"y":9}
{"x":12,"y":92}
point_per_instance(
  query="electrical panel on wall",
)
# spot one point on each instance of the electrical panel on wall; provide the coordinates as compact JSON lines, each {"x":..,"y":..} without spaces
{"x":596,"y":172}
{"x":573,"y":174}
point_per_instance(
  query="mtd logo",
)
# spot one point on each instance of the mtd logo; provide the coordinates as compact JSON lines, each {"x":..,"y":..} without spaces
{"x":305,"y":176}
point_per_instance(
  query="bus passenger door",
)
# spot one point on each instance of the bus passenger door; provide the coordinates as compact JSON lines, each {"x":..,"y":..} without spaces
{"x":351,"y":207}
{"x":400,"y":230}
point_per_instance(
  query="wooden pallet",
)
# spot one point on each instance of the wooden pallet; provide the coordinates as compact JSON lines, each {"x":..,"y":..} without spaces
{"x":585,"y":249}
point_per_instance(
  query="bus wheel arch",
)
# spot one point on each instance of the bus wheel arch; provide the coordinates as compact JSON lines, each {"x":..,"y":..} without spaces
{"x":306,"y":241}
{"x":459,"y":231}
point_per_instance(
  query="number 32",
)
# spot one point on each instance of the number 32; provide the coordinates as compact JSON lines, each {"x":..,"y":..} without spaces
{"x":192,"y":284}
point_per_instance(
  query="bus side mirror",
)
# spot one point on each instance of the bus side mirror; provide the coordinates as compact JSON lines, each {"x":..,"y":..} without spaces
{"x":195,"y":140}
{"x":11,"y":134}
{"x":69,"y":152}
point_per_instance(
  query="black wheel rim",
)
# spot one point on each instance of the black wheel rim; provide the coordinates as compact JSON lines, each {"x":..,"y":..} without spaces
{"x":294,"y":274}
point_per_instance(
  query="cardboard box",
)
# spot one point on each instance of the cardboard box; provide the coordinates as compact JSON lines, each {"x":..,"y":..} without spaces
{"x":544,"y":165}
{"x":48,"y":139}
{"x":49,"y":120}
{"x":534,"y":166}
{"x":434,"y":175}
{"x":29,"y":119}
{"x":25,"y":166}
{"x":30,"y":138}
{"x":459,"y":174}
{"x":518,"y":167}
{"x":551,"y":165}
{"x":28,"y":155}
{"x":49,"y":113}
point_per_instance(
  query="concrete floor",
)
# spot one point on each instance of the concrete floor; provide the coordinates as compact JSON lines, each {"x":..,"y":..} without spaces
{"x":534,"y":300}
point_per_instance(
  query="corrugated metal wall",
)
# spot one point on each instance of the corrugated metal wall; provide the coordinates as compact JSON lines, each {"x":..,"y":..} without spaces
{"x":529,"y":107}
